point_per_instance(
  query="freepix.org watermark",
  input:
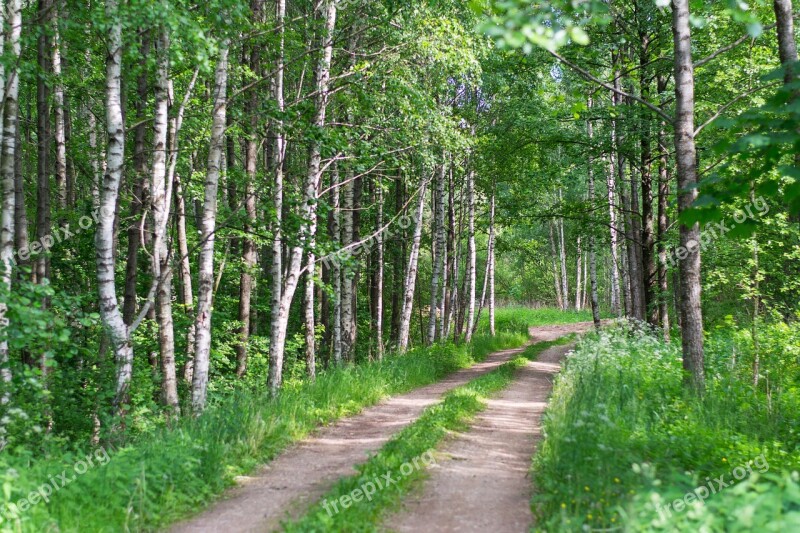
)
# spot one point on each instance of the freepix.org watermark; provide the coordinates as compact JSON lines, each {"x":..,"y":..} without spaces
{"x":98,"y":457}
{"x":716,"y":230}
{"x":61,"y":233}
{"x":712,"y":486}
{"x":347,"y":253}
{"x":368,"y":490}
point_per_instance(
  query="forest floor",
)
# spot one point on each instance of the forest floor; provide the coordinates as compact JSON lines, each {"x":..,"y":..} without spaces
{"x":498,"y":447}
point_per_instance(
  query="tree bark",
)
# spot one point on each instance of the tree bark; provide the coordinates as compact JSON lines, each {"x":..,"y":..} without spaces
{"x":686,"y":157}
{"x":411,"y":273}
{"x":43,"y":143}
{"x":491,"y":259}
{"x":10,"y":82}
{"x":141,"y":191}
{"x":379,"y":252}
{"x":562,"y":254}
{"x":58,"y":112}
{"x":437,"y":251}
{"x":663,"y":221}
{"x":345,"y":268}
{"x":207,"y":234}
{"x":649,"y":273}
{"x":308,"y":208}
{"x":578,"y":276}
{"x":556,"y":269}
{"x":116,"y":328}
{"x":592,"y":241}
{"x":787,"y":45}
{"x":471,"y":256}
{"x":161,"y":200}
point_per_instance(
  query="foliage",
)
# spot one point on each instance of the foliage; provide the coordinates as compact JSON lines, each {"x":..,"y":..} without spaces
{"x":623,"y":434}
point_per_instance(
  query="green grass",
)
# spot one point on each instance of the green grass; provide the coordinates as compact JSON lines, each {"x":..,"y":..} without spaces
{"x":519,"y":319}
{"x":174,"y":472}
{"x":455,"y":411}
{"x":623,"y":436}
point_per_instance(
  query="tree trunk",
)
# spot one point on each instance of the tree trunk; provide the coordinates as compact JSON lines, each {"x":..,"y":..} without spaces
{"x":649,"y":273}
{"x":491,"y":259}
{"x":616,"y":308}
{"x":471,"y":256}
{"x":308,"y":304}
{"x":379,"y":252}
{"x":161,"y":200}
{"x":562,"y":254}
{"x":399,"y":263}
{"x":437,"y":250}
{"x":411,"y":273}
{"x":345,"y":269}
{"x":663,"y":220}
{"x":592,"y":241}
{"x":207,"y":234}
{"x":452,"y":260}
{"x":686,"y":156}
{"x":336,"y":270}
{"x":578,"y":277}
{"x":10,"y":82}
{"x":43,"y":140}
{"x":308,"y":208}
{"x":117,"y":330}
{"x":185,"y":275}
{"x":58,"y":111}
{"x":249,"y":254}
{"x":787,"y":46}
{"x":556,"y":269}
{"x":140,"y":190}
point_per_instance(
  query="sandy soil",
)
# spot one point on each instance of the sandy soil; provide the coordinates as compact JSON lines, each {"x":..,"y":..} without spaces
{"x":288,"y":485}
{"x":480,"y":481}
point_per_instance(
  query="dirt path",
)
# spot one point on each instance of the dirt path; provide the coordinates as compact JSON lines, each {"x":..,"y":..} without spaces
{"x":300,"y":476}
{"x":480,"y":481}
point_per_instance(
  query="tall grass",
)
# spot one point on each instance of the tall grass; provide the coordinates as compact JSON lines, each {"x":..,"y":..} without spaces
{"x":176,"y":471}
{"x":623,"y":435}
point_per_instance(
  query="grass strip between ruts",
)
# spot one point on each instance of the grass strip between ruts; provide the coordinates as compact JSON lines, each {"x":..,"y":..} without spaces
{"x":453,"y":413}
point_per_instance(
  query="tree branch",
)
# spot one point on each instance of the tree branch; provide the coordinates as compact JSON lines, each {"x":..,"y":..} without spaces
{"x":600,"y":82}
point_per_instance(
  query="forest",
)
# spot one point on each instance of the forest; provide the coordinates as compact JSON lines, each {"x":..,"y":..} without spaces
{"x":384,"y":265}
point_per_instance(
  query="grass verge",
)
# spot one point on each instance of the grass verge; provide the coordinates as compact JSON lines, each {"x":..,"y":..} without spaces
{"x":628,"y":447}
{"x":173,"y":472}
{"x":405,"y":449}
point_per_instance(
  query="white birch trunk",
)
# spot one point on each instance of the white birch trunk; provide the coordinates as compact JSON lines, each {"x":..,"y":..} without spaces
{"x":308,"y":210}
{"x":411,"y":273}
{"x":161,"y":190}
{"x":110,"y":311}
{"x":437,"y":250}
{"x":207,"y":234}
{"x":13,"y":17}
{"x":471,"y":256}
{"x":58,"y":111}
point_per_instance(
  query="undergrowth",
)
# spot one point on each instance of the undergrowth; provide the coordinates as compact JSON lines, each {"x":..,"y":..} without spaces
{"x":625,"y":439}
{"x":172,"y":472}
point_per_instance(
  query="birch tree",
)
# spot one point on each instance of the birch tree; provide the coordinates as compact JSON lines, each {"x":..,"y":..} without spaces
{"x":118,"y":332}
{"x":10,"y":82}
{"x":308,"y":211}
{"x":205,"y":272}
